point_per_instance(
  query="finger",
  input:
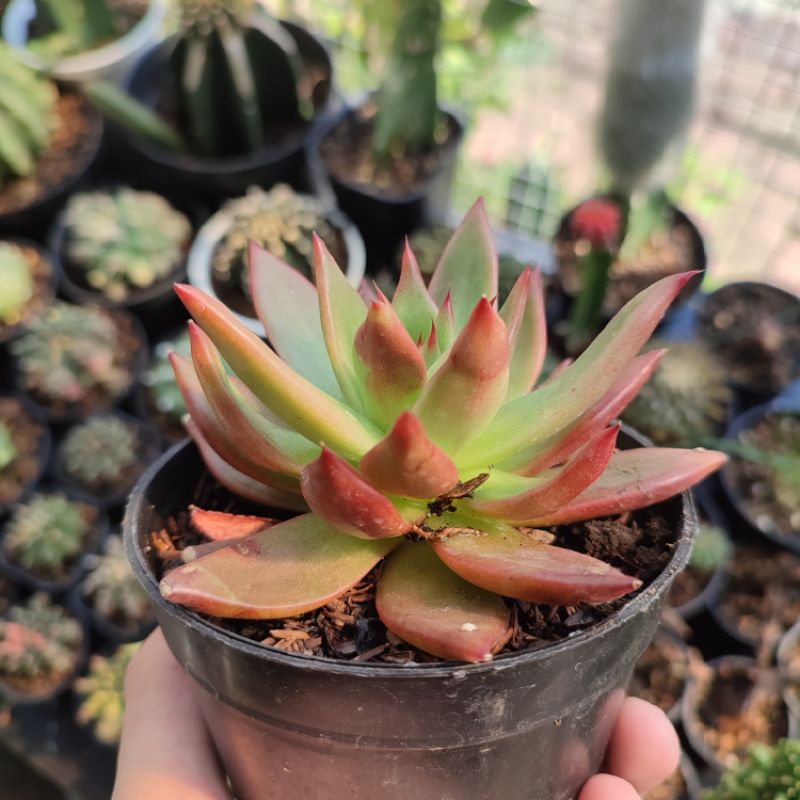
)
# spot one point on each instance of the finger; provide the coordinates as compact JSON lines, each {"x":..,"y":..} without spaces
{"x":607,"y":787}
{"x":165,"y":751}
{"x":644,"y":748}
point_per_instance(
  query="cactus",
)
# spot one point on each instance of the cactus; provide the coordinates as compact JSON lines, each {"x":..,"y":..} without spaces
{"x":16,"y":283}
{"x":38,"y":641}
{"x":101,"y":693}
{"x":125,"y":240}
{"x":111,"y":588}
{"x":77,"y":26}
{"x":8,"y":451}
{"x":280,"y":220}
{"x":686,"y":402}
{"x":710,"y":549}
{"x":159,"y":379}
{"x":102,"y":452}
{"x":47,"y":532}
{"x":27,"y":116}
{"x":70,"y":353}
{"x":769,"y":773}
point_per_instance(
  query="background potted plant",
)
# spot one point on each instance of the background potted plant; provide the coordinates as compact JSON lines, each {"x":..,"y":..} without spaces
{"x":78,"y":40}
{"x":302,"y":597}
{"x":27,"y":284}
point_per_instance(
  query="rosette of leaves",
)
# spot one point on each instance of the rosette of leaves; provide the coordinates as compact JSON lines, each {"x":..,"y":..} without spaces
{"x":125,"y":240}
{"x":441,"y":455}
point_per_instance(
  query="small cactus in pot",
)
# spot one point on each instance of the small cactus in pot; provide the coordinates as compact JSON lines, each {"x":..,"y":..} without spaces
{"x":16,"y":284}
{"x":163,"y":400}
{"x":769,"y":773}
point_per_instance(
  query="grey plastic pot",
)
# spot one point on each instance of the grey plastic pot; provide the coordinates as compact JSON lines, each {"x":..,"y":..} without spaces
{"x":528,"y":726}
{"x":111,"y":62}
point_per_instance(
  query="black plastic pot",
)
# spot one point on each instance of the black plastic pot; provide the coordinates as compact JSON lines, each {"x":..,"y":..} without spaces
{"x":385,"y":217}
{"x":45,"y":444}
{"x":67,"y":581}
{"x":690,"y":778}
{"x":216,"y":178}
{"x":787,"y":645}
{"x":151,"y":448}
{"x":34,"y":218}
{"x":528,"y":726}
{"x":157,"y":307}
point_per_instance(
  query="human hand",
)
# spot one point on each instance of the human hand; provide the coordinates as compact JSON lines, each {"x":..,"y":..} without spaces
{"x":166,"y":752}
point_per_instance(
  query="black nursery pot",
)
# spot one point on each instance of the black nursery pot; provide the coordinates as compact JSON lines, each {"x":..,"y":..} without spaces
{"x":218,"y":178}
{"x":385,"y":217}
{"x":528,"y":726}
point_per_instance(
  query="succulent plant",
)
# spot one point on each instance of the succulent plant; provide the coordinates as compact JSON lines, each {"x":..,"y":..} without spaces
{"x":769,"y":773}
{"x":102,"y":701}
{"x":47,"y":532}
{"x":111,"y":588}
{"x":8,"y":452}
{"x":27,"y":116}
{"x":686,"y":402}
{"x":437,"y":455}
{"x":710,"y":549}
{"x":16,"y":283}
{"x":160,"y":379}
{"x":38,"y":640}
{"x":101,"y":452}
{"x":124,"y":240}
{"x":281,"y":220}
{"x":71,"y":352}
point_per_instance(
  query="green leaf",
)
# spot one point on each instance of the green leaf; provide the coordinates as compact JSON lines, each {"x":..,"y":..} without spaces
{"x":411,"y":300}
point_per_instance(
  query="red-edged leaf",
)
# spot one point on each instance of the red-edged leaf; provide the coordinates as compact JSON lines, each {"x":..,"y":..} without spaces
{"x":531,"y":419}
{"x":220,"y":525}
{"x":559,"y":448}
{"x":391,"y":367}
{"x":195,"y":551}
{"x":289,"y":569}
{"x":635,"y":479}
{"x":424,"y":603}
{"x":445,"y":322}
{"x":411,"y":301}
{"x":462,"y":397}
{"x":517,"y":565}
{"x":524,"y":315}
{"x":534,"y":497}
{"x":304,"y":407}
{"x":408,"y":463}
{"x":342,"y":312}
{"x":340,"y":495}
{"x":239,"y":483}
{"x":288,"y":306}
{"x":467,"y":268}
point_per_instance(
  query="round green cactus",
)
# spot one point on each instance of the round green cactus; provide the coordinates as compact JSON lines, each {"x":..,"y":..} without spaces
{"x":770,"y":773}
{"x":16,"y":283}
{"x":160,"y":379}
{"x":102,"y":452}
{"x":46,"y":533}
{"x":710,"y":549}
{"x":8,"y":452}
{"x":124,"y":240}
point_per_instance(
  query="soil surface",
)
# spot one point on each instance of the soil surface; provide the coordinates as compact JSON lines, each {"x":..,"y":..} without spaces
{"x":755,"y":330}
{"x":688,"y":585}
{"x":764,"y":587}
{"x":674,"y":788}
{"x":27,"y":435}
{"x":43,"y":287}
{"x":661,"y":672}
{"x":738,"y":707}
{"x":640,"y":544}
{"x":73,"y":142}
{"x":347,"y":152}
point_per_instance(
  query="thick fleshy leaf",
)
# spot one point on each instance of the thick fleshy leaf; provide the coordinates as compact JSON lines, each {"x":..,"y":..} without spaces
{"x":408,"y":463}
{"x":560,"y":447}
{"x":340,"y":495}
{"x":557,"y":371}
{"x":427,"y":605}
{"x":462,"y":397}
{"x":635,"y":479}
{"x":289,"y":569}
{"x":342,"y":312}
{"x":288,"y":306}
{"x":517,"y":565}
{"x":445,"y":322}
{"x":524,"y":315}
{"x":411,"y":301}
{"x":221,"y":525}
{"x":304,"y":407}
{"x":430,"y":348}
{"x":239,"y":483}
{"x":530,"y":419}
{"x":467,"y":268}
{"x":216,"y":432}
{"x":238,"y":426}
{"x":195,"y":551}
{"x":535,"y":497}
{"x":390,"y":366}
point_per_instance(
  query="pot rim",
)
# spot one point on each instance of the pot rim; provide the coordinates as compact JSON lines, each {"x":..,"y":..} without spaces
{"x":321,"y":664}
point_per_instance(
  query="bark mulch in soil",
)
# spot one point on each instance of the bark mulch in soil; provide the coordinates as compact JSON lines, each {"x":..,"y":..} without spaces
{"x":73,"y":141}
{"x":348,"y":628}
{"x":26,"y":434}
{"x":688,"y":585}
{"x":661,"y":672}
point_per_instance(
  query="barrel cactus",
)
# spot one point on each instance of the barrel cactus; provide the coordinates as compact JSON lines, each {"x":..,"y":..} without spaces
{"x":164,"y":396}
{"x":770,"y":773}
